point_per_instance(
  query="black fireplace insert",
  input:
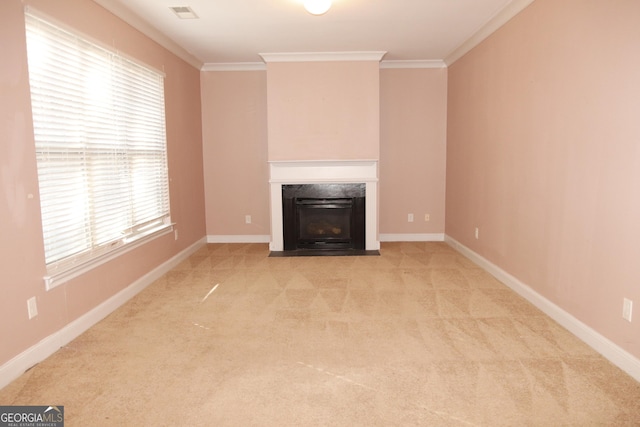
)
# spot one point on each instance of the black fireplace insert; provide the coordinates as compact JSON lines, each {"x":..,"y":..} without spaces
{"x":323,"y":219}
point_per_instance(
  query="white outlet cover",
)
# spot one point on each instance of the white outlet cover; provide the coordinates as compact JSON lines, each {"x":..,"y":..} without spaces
{"x":627,"y":309}
{"x":32,"y":307}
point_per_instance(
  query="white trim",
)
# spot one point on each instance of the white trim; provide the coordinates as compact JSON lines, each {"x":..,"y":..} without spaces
{"x":125,"y":14}
{"x":322,"y":56}
{"x":427,"y":63}
{"x":234,"y":66}
{"x":57,"y":278}
{"x":15,"y":367}
{"x":497,"y":21}
{"x":261,"y":66}
{"x":238,"y":238}
{"x":611,"y":351}
{"x":323,"y":171}
{"x":428,"y":237}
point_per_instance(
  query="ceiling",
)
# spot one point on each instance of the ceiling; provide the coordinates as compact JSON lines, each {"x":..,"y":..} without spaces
{"x":237,"y":31}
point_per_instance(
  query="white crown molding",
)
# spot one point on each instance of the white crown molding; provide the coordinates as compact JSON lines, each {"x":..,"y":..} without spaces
{"x":145,"y":28}
{"x":615,"y":354}
{"x":322,"y":56}
{"x":428,"y":63}
{"x":260,"y":66}
{"x":234,"y":66}
{"x":497,"y":21}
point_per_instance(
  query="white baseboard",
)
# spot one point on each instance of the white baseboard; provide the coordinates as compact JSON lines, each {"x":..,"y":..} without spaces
{"x":433,"y":237}
{"x":238,"y":238}
{"x":15,"y":367}
{"x":615,"y":354}
{"x":265,"y":238}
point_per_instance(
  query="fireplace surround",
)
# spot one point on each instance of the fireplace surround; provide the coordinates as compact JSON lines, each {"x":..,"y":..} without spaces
{"x":360,"y":172}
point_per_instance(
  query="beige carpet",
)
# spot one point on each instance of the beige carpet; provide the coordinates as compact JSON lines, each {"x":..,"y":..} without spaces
{"x":416,"y":336}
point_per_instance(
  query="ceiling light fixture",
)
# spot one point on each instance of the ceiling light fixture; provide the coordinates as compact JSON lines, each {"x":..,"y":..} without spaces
{"x":317,"y":7}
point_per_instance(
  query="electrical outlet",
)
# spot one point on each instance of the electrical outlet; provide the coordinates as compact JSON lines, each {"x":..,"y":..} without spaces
{"x":175,"y":234}
{"x":410,"y":218}
{"x":32,"y":307}
{"x":477,"y":233}
{"x":427,"y":217}
{"x":627,"y":309}
{"x":247,"y":219}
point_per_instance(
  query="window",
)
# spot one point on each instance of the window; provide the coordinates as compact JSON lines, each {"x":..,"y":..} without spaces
{"x":99,"y":126}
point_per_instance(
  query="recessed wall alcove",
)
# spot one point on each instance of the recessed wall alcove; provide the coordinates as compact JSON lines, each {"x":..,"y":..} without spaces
{"x":324,"y":128}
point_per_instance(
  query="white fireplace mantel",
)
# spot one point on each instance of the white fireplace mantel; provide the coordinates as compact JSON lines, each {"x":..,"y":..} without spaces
{"x":324,"y":172}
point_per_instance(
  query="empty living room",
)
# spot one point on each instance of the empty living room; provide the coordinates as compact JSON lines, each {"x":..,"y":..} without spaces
{"x":319,"y":212}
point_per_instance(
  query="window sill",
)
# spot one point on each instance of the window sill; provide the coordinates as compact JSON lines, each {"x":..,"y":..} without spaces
{"x":63,"y":276}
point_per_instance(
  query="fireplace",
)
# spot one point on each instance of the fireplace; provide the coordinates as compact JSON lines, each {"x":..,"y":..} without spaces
{"x":361,"y":173}
{"x":323,"y":217}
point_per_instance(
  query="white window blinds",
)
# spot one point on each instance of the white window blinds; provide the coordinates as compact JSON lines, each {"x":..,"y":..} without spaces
{"x":99,"y":125}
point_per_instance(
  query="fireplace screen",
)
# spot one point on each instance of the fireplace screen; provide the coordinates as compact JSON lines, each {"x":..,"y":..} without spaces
{"x":322,"y":221}
{"x":323,"y":216}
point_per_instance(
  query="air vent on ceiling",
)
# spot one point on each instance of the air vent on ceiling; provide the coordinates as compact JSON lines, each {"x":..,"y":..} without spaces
{"x":184,"y":12}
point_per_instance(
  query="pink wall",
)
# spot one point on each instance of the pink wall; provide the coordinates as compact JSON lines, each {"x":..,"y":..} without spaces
{"x":21,"y":245}
{"x":543,"y":156}
{"x":413,"y":125}
{"x":323,"y":110}
{"x":412,"y":151}
{"x":236,"y":172}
